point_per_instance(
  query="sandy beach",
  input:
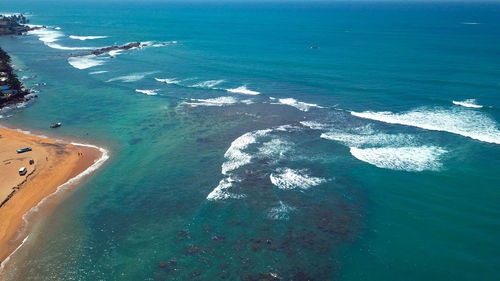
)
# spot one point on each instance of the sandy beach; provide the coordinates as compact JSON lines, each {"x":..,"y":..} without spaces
{"x":52,"y":164}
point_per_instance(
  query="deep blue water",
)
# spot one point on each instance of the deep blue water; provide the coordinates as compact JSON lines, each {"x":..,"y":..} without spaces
{"x":314,"y":141}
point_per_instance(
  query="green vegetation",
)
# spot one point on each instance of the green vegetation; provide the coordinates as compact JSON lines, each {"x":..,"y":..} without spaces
{"x":13,"y":24}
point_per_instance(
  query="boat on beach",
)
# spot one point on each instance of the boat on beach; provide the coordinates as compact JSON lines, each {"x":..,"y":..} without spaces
{"x":22,"y":150}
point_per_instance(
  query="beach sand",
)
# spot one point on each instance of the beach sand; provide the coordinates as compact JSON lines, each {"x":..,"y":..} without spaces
{"x":54,"y":164}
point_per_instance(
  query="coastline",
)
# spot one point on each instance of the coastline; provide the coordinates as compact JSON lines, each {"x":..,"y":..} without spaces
{"x":58,"y":164}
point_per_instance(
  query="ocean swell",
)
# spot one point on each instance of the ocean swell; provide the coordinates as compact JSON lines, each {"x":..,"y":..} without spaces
{"x":467,"y":123}
{"x":411,"y":158}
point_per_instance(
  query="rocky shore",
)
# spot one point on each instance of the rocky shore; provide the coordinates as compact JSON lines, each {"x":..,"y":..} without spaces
{"x":11,"y":89}
{"x":15,"y":25}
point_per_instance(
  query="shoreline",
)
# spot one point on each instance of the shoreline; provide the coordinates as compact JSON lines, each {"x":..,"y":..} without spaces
{"x":69,"y":163}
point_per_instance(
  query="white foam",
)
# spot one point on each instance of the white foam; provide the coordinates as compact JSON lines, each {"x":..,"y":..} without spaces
{"x":298,"y":104}
{"x":57,"y":28}
{"x":130,"y":78}
{"x":220,"y":101}
{"x":86,"y":37}
{"x":98,"y":72}
{"x":275,"y":148}
{"x":287,"y":128}
{"x":147,"y":92}
{"x":49,"y":37}
{"x":410,"y":158}
{"x":168,"y":80}
{"x":207,"y":84}
{"x":471,"y":23}
{"x":282,"y":212}
{"x":4,"y":262}
{"x":314,"y":125}
{"x":235,"y":157}
{"x":60,"y":47}
{"x":468,"y":103}
{"x":243,"y":90}
{"x":358,"y":140}
{"x":286,"y":178}
{"x":85,"y":62}
{"x":114,"y":53}
{"x":46,"y":35}
{"x":221,"y":192}
{"x":468,"y":123}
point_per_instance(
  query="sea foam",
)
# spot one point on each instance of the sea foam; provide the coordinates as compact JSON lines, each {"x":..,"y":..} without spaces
{"x":131,"y":77}
{"x":465,"y":122}
{"x":168,"y":80}
{"x":286,"y":178}
{"x":359,"y":140}
{"x":86,"y":37}
{"x":243,"y":90}
{"x":147,"y":92}
{"x":220,"y":101}
{"x":98,"y":72}
{"x":49,"y":37}
{"x":221,"y":191}
{"x":468,"y":103}
{"x":298,"y":104}
{"x":281,"y":212}
{"x":207,"y":84}
{"x":412,"y":158}
{"x":46,"y":35}
{"x":85,"y":62}
{"x":235,"y":157}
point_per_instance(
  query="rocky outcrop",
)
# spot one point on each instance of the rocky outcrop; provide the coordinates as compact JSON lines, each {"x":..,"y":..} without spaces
{"x":11,"y":89}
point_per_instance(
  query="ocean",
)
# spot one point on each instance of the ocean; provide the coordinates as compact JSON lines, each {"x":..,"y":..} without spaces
{"x":252,"y":141}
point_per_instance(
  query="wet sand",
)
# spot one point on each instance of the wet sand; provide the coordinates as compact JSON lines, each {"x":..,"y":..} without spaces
{"x":54,"y":164}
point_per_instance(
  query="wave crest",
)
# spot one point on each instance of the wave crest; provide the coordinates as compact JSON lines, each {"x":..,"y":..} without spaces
{"x":463,"y":122}
{"x":412,"y":159}
{"x":286,"y":178}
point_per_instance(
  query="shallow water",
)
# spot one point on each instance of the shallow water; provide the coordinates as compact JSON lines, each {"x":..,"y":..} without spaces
{"x":238,"y":151}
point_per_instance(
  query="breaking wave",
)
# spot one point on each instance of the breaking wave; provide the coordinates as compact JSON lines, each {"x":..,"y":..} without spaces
{"x":314,"y":125}
{"x":46,"y":35}
{"x":207,"y":84}
{"x":131,"y":78}
{"x":275,"y":148}
{"x":98,"y":72}
{"x":83,"y":38}
{"x":359,"y":140}
{"x":114,"y":53}
{"x":462,"y":122}
{"x":409,"y":158}
{"x":243,"y":90}
{"x":147,"y":92}
{"x":221,"y":191}
{"x":389,"y":151}
{"x":85,"y":62}
{"x":220,"y":101}
{"x":468,"y":103}
{"x":286,"y":178}
{"x":282,"y":212}
{"x":168,"y":80}
{"x":235,"y":157}
{"x":298,"y":104}
{"x":49,"y":37}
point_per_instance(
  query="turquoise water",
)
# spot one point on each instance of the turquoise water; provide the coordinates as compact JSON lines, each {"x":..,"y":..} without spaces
{"x":353,"y":162}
